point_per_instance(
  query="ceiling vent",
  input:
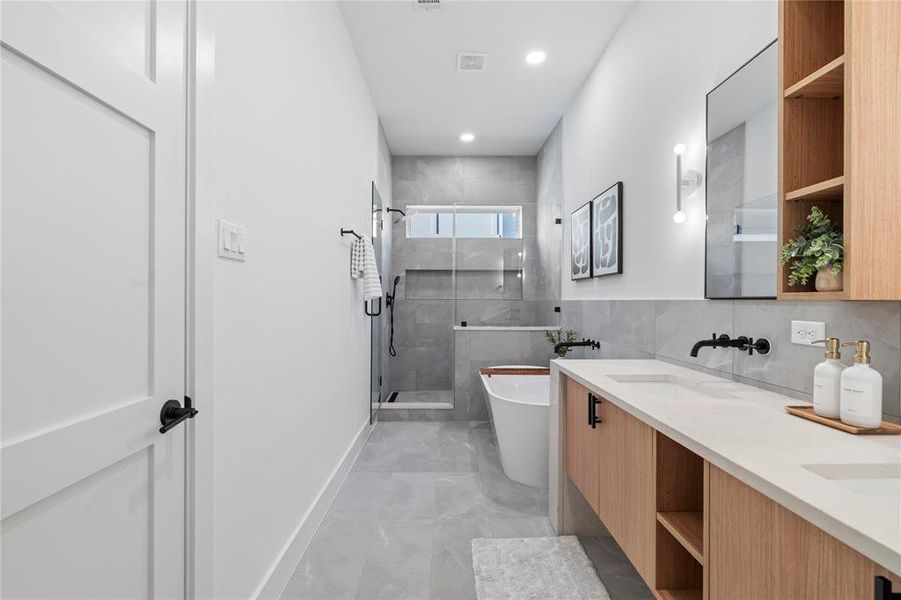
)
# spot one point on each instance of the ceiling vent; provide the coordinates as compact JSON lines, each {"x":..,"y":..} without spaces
{"x":426,"y":5}
{"x":467,"y":61}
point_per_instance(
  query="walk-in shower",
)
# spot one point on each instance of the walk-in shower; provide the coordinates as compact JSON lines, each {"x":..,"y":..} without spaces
{"x":473,"y":249}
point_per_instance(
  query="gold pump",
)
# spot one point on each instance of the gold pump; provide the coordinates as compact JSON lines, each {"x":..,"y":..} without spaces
{"x":832,"y":345}
{"x":861,"y":351}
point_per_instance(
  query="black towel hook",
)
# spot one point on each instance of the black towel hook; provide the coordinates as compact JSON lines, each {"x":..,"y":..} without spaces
{"x":351,"y":232}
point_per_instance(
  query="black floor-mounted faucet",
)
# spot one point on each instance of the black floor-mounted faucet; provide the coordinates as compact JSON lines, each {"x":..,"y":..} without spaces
{"x":742,"y":343}
{"x":585,"y":342}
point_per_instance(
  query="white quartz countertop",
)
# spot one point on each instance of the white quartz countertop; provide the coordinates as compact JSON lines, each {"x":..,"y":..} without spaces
{"x":746,"y":432}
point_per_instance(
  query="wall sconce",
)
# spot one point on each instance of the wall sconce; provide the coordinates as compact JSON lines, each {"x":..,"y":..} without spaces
{"x":686,"y":185}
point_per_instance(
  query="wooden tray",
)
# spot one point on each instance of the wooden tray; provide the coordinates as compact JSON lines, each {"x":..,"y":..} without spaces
{"x":489,"y":371}
{"x":806,"y":412}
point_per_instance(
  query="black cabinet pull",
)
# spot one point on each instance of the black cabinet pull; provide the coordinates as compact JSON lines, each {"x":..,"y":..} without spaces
{"x":593,"y":418}
{"x":173,"y":413}
{"x":883,"y":590}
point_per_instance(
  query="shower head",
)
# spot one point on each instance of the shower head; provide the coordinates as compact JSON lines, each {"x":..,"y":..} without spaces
{"x":403,"y":215}
{"x":392,"y":295}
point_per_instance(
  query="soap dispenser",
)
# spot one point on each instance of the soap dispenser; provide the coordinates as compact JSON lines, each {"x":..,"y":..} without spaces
{"x":861,"y":400}
{"x":827,"y":381}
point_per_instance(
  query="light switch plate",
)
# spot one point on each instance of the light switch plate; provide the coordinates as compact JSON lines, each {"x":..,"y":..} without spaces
{"x":232,"y":241}
{"x":804,"y":332}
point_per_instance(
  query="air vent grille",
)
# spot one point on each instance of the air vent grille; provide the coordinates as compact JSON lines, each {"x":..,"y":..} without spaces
{"x":426,"y":5}
{"x":467,"y":61}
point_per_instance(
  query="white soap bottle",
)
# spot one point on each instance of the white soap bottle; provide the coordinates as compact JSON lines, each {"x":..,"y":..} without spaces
{"x":861,"y":402}
{"x":827,"y":381}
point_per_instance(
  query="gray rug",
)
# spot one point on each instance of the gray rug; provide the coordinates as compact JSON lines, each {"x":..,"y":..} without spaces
{"x":534,"y":569}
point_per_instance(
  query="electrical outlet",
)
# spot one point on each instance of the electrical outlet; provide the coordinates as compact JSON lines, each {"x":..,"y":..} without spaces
{"x":804,"y":332}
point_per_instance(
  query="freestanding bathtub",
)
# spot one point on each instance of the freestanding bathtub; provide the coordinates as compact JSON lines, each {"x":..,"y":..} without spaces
{"x":519,"y":406}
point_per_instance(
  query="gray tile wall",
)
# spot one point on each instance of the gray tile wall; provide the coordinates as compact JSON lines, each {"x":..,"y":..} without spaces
{"x":480,"y":274}
{"x":666,"y":329}
{"x":725,"y":192}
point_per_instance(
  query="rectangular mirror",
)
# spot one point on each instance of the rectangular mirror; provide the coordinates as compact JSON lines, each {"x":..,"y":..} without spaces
{"x":742,"y":179}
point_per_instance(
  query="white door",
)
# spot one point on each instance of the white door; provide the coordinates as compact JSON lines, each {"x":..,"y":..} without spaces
{"x":93,"y":298}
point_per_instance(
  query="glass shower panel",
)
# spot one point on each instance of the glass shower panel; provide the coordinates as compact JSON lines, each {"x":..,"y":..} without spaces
{"x":511,"y":278}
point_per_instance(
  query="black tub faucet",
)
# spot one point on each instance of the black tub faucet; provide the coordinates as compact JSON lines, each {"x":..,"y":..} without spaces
{"x":742,"y":343}
{"x":585,"y":342}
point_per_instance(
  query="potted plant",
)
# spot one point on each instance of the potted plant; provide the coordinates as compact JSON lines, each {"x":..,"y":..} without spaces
{"x":555,"y":337}
{"x":817,"y":251}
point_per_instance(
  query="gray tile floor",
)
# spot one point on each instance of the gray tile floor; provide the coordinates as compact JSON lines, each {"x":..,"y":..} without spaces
{"x":402,"y":523}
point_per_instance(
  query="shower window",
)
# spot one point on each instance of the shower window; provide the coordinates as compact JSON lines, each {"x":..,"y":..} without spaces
{"x":460,"y":221}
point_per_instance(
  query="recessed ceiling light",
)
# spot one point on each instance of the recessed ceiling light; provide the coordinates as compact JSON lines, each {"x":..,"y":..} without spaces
{"x":535,"y":57}
{"x":467,"y":137}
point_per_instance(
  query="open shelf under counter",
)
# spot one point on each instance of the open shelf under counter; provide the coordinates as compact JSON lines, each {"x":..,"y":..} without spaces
{"x":843,"y":295}
{"x":831,"y":190}
{"x":679,"y":594}
{"x":826,"y":82}
{"x":688,"y":529}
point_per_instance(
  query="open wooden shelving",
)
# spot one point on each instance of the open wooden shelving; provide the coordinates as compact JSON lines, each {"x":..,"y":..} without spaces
{"x":814,"y":295}
{"x":680,"y":496}
{"x":830,"y":190}
{"x":679,"y":594}
{"x":826,"y":82}
{"x":838,"y":144}
{"x":812,"y":122}
{"x":688,"y":529}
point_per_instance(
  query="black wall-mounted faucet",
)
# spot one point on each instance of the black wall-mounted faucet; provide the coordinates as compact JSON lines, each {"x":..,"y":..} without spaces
{"x":742,"y":343}
{"x":585,"y":342}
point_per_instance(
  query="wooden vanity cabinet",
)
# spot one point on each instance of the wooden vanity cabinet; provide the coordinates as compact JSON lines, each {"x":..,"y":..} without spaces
{"x":582,"y":454}
{"x":759,"y":549}
{"x":612,"y":465}
{"x":626,"y":484}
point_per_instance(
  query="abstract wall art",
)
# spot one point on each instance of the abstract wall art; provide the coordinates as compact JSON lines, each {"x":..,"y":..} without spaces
{"x":607,"y":232}
{"x":580,"y":264}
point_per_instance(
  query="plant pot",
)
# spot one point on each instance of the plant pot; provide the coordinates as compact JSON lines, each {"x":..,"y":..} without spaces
{"x":827,"y":281}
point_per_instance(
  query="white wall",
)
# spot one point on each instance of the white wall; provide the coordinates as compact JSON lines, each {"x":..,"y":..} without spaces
{"x":648,"y":92}
{"x":296,"y":143}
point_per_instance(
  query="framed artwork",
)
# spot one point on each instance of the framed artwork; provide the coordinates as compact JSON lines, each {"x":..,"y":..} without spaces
{"x":580,"y":248}
{"x":607,"y":231}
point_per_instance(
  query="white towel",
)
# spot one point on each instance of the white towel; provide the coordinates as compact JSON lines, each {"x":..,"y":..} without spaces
{"x":372,"y":283}
{"x":357,"y":259}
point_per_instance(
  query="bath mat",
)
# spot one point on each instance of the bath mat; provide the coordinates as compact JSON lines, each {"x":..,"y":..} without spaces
{"x":534,"y":569}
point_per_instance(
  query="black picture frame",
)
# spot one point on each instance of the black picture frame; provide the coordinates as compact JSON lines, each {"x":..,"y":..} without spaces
{"x":581,"y":247}
{"x":597,"y":213}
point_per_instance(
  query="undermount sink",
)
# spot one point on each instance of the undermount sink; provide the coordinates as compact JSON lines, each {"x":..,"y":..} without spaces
{"x":674,"y":386}
{"x":863,"y":478}
{"x":856,"y":471}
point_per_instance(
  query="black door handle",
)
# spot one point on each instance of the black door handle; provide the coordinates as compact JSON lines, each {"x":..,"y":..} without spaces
{"x":593,"y":418}
{"x":173,"y":413}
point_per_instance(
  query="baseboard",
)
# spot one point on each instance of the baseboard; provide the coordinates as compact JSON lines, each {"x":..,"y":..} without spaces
{"x":280,"y":572}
